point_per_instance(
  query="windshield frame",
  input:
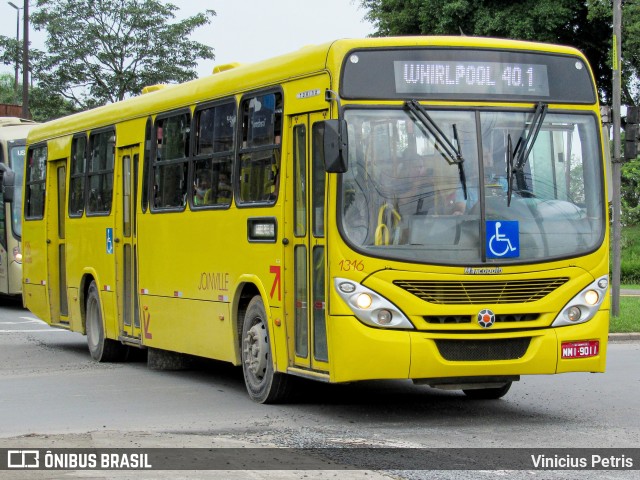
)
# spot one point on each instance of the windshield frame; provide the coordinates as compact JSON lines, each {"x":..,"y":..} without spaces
{"x":16,"y":205}
{"x":377,"y":251}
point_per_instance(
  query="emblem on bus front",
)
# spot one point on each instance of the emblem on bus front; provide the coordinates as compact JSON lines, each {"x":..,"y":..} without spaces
{"x":482,"y":270}
{"x":486,"y":318}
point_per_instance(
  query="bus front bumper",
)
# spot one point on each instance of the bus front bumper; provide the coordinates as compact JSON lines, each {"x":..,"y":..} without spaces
{"x":359,"y":352}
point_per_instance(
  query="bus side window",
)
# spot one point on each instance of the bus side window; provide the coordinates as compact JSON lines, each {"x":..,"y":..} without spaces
{"x":36,"y":173}
{"x":214,"y":155}
{"x":171,"y":162}
{"x":78,"y":179}
{"x":146,"y":162}
{"x":100,"y":171}
{"x":261,"y":149}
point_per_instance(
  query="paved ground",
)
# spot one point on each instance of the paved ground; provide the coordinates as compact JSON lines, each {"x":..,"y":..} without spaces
{"x":627,"y":292}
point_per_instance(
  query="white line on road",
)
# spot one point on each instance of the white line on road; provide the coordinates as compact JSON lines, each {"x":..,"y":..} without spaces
{"x":28,"y":320}
{"x":34,"y":331}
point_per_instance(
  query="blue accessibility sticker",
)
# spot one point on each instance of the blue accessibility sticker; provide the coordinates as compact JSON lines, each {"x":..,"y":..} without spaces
{"x":503,"y":239}
{"x":109,"y":241}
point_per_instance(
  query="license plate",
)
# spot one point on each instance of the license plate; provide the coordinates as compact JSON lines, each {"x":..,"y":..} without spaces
{"x":586,"y":349}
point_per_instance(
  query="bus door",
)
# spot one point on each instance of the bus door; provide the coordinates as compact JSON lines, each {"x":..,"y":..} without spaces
{"x":305,"y":259}
{"x":126,"y":248}
{"x":56,"y":242}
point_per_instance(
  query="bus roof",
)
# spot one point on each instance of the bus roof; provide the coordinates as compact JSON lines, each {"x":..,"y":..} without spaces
{"x":14,"y":128}
{"x":235,"y":78}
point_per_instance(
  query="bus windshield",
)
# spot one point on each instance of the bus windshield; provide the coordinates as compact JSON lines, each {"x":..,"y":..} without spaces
{"x":404,"y":198}
{"x":16,"y":154}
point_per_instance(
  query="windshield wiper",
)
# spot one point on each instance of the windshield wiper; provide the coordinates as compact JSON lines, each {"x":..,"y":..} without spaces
{"x":520,"y":154}
{"x":451,"y":153}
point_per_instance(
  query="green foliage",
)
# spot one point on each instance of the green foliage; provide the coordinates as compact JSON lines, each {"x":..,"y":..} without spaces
{"x":43,"y":105}
{"x":7,"y":89}
{"x":630,"y":52}
{"x":630,"y":192}
{"x":630,"y":255}
{"x":585,"y":25}
{"x":10,"y":51}
{"x":629,"y":319}
{"x":101,"y":51}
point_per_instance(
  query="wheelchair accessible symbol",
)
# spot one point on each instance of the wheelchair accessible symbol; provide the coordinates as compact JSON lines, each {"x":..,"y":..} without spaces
{"x":109,"y":241}
{"x":503,"y":239}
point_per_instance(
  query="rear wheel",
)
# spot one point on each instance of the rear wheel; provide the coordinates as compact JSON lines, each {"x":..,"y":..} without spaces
{"x":488,"y":393}
{"x":263,"y":383}
{"x":101,"y":349}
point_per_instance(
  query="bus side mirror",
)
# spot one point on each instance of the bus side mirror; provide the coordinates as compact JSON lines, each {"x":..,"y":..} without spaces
{"x":335,"y":146}
{"x":8,"y":182}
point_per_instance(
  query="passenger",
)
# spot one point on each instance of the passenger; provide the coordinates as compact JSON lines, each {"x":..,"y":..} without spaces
{"x":201,"y":191}
{"x":224,"y":189}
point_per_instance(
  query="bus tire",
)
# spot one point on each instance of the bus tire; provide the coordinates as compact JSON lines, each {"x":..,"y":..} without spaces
{"x":488,"y":393}
{"x":264,"y":385}
{"x":101,"y":349}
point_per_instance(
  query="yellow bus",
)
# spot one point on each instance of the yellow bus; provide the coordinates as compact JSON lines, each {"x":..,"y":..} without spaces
{"x":429,"y":209}
{"x":13,"y":137}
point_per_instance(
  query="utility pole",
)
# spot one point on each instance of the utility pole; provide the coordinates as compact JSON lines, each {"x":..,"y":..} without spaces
{"x":616,"y":159}
{"x":25,"y":62}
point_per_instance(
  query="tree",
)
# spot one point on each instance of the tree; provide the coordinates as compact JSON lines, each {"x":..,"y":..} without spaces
{"x":630,"y":193}
{"x":583,"y":24}
{"x":631,"y":52}
{"x":7,"y":88}
{"x":43,"y":105}
{"x":101,"y":51}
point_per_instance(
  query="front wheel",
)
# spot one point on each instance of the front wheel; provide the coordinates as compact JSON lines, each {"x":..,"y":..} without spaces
{"x":263,"y":383}
{"x":488,"y":393}
{"x":101,"y":348}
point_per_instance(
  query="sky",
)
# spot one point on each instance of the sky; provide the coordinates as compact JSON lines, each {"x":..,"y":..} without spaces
{"x":247,"y":30}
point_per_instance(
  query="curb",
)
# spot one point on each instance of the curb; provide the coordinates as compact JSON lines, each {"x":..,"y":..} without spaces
{"x":629,"y":292}
{"x":624,"y":337}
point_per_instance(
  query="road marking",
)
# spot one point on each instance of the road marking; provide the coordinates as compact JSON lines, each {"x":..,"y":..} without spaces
{"x":33,"y":331}
{"x":29,"y":320}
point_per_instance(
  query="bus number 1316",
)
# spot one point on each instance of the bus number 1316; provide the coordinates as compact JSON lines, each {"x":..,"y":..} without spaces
{"x":347,"y":265}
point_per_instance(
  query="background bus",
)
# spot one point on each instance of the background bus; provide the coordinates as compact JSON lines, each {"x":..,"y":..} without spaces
{"x":13,"y":135}
{"x":427,"y":208}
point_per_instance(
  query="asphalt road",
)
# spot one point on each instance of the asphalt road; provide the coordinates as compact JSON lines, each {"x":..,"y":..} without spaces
{"x":52,"y":395}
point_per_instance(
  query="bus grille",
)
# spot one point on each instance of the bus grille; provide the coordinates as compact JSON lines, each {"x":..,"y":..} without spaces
{"x":483,"y":350}
{"x":468,"y":293}
{"x":453,"y":319}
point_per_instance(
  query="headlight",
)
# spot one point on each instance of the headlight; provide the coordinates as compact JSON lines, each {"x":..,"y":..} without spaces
{"x":370,"y":307}
{"x":584,"y":305}
{"x":364,"y":301}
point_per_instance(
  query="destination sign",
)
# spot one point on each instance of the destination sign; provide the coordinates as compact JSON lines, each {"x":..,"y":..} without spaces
{"x":471,"y":77}
{"x":466,"y":74}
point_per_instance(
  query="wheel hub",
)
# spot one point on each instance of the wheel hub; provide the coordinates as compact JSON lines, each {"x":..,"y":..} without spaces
{"x":256,"y":350}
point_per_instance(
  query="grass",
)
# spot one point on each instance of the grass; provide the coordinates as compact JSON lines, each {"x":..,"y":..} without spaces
{"x":630,"y":256}
{"x":629,"y":319}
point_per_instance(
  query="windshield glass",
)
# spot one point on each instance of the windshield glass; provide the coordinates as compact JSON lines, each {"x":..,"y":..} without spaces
{"x":16,"y":154}
{"x":404,"y":198}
